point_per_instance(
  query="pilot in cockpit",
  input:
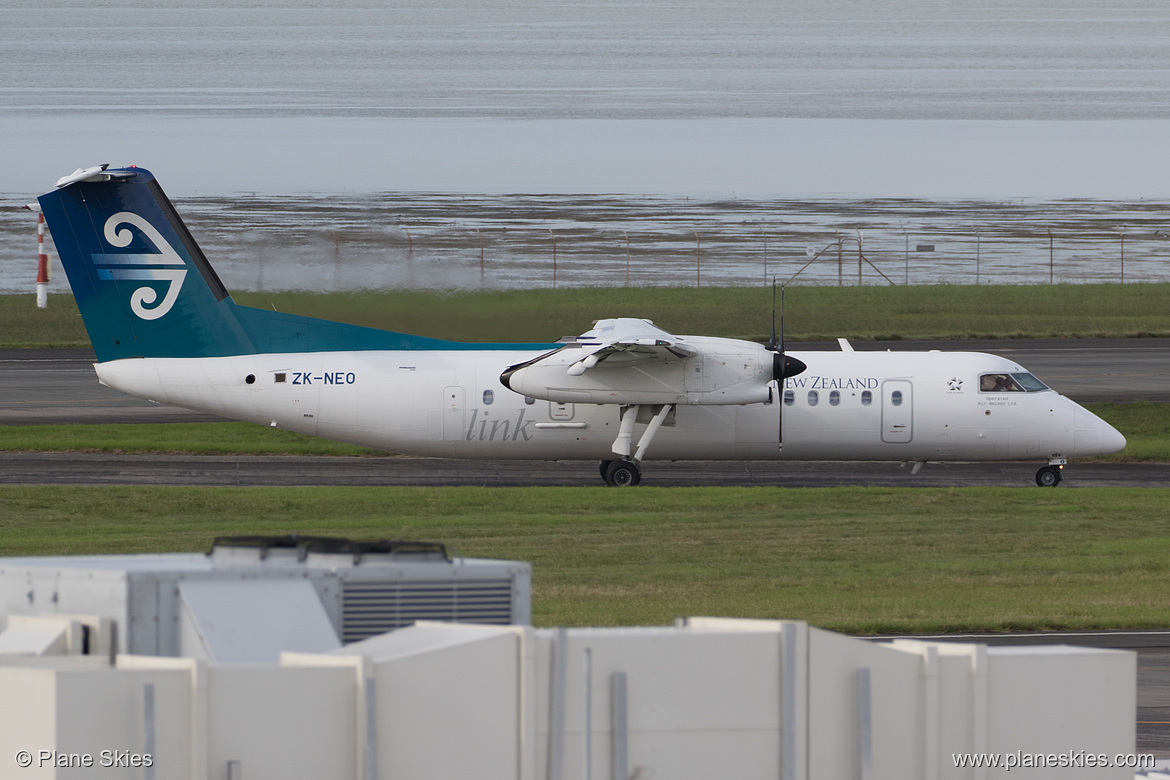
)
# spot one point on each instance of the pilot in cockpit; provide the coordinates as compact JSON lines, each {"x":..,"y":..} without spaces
{"x":998,"y":383}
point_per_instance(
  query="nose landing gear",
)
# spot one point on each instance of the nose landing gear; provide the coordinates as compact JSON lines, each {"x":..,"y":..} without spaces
{"x":1050,"y":476}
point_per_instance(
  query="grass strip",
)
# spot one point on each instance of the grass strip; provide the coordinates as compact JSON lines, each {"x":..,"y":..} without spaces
{"x":211,"y":438}
{"x":812,"y":313}
{"x":852,"y":559}
{"x":1145,"y":425}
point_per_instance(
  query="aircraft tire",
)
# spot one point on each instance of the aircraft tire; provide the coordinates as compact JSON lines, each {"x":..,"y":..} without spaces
{"x":623,"y":473}
{"x":605,"y":464}
{"x":1048,"y":476}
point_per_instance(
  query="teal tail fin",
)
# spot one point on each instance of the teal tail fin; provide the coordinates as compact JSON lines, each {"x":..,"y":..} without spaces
{"x":145,"y":289}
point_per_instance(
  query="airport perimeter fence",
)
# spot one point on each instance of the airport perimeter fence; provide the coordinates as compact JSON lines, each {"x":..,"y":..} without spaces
{"x":456,"y":241}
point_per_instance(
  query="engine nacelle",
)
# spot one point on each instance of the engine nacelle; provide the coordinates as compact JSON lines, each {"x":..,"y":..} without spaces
{"x":722,"y":372}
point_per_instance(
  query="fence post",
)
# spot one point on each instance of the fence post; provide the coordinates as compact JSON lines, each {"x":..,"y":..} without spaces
{"x":906,"y":235}
{"x":840,"y":262}
{"x":409,"y":258}
{"x":627,"y":235}
{"x":1050,"y":257}
{"x":554,"y":240}
{"x":698,"y":262}
{"x":764,"y":233}
{"x":1121,"y":235}
{"x":336,"y":262}
{"x":859,"y":258}
{"x":976,"y":258}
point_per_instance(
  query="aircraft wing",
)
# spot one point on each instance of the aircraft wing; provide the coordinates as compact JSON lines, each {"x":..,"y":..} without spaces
{"x":630,"y":361}
{"x":634,"y":338}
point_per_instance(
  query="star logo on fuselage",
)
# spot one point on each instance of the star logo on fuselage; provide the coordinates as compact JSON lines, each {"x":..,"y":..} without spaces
{"x":955,"y":384}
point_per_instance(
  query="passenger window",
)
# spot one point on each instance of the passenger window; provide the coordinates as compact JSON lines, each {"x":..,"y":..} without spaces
{"x":834,"y":398}
{"x":866,"y":398}
{"x":813,"y":397}
{"x":896,"y":398}
{"x":789,"y":398}
{"x":529,"y":400}
{"x":488,"y":397}
{"x":1000,"y":383}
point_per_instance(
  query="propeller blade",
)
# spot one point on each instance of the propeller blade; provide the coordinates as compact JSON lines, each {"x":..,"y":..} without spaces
{"x":772,"y":339}
{"x":783,"y":366}
{"x":781,"y":312}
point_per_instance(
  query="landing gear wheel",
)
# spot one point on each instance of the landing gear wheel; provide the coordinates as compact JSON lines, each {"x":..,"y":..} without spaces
{"x":605,"y":464}
{"x":1048,"y":476}
{"x":623,"y":473}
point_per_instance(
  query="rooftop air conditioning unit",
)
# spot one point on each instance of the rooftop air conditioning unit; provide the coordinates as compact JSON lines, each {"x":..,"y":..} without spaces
{"x":251,"y":598}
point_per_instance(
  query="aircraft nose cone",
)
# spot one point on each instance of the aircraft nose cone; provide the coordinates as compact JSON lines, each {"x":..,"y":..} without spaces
{"x":1094,"y":436}
{"x":1109,"y":438}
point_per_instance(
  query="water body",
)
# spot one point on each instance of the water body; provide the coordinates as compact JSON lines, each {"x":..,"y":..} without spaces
{"x":658,"y":59}
{"x":740,"y":120}
{"x":455,"y":240}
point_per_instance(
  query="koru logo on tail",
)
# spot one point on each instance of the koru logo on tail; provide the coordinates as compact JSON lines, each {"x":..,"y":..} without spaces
{"x":164,"y":266}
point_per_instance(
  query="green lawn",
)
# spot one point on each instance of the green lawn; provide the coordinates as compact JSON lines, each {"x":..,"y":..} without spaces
{"x":850,"y":559}
{"x":813,"y":313}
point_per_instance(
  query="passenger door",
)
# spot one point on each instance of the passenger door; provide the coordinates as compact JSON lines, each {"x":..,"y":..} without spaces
{"x":897,"y":411}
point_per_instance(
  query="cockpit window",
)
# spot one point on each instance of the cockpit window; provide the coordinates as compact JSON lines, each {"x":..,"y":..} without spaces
{"x":1010,"y":383}
{"x":999,"y":383}
{"x":1030,"y":383}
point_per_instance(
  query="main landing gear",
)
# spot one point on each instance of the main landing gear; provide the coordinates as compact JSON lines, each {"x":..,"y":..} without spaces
{"x":625,"y":471}
{"x":621,"y":473}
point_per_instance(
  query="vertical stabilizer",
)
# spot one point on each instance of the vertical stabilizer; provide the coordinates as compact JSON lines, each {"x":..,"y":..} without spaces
{"x":142,"y":284}
{"x":145,"y":289}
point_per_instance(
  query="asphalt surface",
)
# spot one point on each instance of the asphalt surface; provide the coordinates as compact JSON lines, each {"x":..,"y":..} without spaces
{"x":23,"y":468}
{"x":59,"y":386}
{"x":49,"y":386}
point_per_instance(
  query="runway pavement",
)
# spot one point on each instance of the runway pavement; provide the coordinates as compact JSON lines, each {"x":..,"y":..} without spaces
{"x":59,"y":386}
{"x":49,"y":386}
{"x":24,"y":468}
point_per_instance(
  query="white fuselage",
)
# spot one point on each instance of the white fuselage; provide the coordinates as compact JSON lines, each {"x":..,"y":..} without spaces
{"x":909,"y":406}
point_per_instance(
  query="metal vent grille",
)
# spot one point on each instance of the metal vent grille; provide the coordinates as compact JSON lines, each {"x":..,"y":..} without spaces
{"x":372,"y":608}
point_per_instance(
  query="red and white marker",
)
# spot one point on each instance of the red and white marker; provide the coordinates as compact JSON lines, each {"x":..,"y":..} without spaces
{"x":42,"y":259}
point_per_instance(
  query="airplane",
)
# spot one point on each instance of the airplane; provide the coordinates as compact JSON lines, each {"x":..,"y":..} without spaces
{"x":164,"y":328}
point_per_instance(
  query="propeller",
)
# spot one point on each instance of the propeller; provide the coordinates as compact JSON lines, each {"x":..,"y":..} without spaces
{"x":783,"y":365}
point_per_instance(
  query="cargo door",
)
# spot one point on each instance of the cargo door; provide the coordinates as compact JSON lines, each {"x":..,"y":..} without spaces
{"x":454,"y":422}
